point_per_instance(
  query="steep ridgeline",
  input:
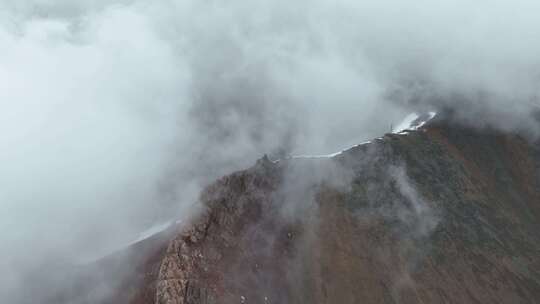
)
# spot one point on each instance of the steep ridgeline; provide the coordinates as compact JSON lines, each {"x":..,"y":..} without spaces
{"x":435,"y":215}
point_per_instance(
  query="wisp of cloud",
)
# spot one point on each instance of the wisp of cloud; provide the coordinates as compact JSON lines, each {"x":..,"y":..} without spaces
{"x":114,"y":114}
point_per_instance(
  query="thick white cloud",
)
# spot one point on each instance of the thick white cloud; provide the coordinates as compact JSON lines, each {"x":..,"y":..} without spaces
{"x":113,"y":111}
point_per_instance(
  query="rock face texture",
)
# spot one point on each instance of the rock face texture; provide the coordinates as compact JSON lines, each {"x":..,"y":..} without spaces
{"x":436,"y":215}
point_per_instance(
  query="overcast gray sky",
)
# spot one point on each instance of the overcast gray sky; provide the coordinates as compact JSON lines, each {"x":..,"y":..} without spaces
{"x":113,"y":111}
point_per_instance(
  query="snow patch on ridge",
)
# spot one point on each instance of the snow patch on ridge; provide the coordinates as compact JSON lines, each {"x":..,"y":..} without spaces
{"x":413,"y":122}
{"x":332,"y":154}
{"x":153,"y":230}
{"x":406,"y":123}
{"x":148,"y":233}
{"x":430,"y":116}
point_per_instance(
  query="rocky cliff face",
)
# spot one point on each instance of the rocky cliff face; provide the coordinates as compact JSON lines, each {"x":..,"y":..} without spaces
{"x":436,"y":215}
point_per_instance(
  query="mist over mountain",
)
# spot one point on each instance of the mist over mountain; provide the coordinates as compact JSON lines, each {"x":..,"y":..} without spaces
{"x":431,"y":213}
{"x":117,"y":115}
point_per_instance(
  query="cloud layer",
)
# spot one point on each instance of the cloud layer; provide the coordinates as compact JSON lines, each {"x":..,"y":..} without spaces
{"x":115,"y":113}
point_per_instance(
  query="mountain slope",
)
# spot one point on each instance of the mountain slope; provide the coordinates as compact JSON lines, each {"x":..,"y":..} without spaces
{"x":436,"y":215}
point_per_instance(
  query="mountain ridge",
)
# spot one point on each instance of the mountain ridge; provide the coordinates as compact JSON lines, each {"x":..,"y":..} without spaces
{"x":456,"y":173}
{"x":441,"y":213}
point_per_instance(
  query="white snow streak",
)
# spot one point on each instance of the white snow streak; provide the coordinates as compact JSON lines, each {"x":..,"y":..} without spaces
{"x":406,"y":123}
{"x":413,"y":122}
{"x":153,"y":230}
{"x":330,"y":155}
{"x":410,"y":123}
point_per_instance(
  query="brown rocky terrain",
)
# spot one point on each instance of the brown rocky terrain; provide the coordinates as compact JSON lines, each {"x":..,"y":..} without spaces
{"x":439,"y":215}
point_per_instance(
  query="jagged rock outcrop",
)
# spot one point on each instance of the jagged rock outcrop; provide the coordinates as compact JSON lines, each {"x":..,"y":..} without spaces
{"x":197,"y":260}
